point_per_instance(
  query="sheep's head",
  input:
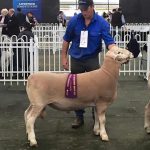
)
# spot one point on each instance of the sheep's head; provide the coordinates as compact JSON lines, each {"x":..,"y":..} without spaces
{"x":119,"y":54}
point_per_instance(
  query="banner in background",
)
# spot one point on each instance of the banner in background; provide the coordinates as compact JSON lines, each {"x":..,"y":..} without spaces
{"x":33,"y":6}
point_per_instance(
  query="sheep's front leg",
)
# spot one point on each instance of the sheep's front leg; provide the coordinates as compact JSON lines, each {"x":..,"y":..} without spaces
{"x":96,"y":123}
{"x":147,"y":118}
{"x":32,"y":114}
{"x":103,"y":133}
{"x":101,"y":109}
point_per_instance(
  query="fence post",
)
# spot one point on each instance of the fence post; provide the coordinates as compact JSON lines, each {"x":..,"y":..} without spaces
{"x":148,"y":57}
{"x":54,"y":38}
{"x":31,"y":56}
{"x":36,"y":54}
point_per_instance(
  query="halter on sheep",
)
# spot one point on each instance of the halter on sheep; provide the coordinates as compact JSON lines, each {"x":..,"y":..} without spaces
{"x":97,"y":88}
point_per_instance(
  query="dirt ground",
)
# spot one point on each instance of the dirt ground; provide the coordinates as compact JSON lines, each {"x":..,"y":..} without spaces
{"x":125,"y":121}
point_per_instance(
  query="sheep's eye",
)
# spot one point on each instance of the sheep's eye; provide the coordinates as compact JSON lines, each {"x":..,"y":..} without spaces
{"x":119,"y":52}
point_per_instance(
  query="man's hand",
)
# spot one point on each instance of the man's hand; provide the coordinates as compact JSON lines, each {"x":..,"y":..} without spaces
{"x":65,"y":63}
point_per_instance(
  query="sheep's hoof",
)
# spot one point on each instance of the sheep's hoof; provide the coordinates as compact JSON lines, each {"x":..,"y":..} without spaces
{"x":96,"y":132}
{"x":105,"y":138}
{"x":147,"y":129}
{"x":33,"y":144}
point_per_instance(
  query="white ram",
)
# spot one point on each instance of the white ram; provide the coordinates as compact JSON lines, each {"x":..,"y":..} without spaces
{"x":97,"y":88}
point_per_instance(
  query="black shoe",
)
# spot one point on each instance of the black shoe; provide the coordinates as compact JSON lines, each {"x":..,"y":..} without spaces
{"x":77,"y":123}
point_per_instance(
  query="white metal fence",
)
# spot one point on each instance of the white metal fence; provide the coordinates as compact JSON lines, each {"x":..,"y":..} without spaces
{"x":44,"y":53}
{"x":17,"y":59}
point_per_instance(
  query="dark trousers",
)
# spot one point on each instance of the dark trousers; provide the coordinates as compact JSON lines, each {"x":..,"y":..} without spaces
{"x":81,"y":66}
{"x":18,"y":56}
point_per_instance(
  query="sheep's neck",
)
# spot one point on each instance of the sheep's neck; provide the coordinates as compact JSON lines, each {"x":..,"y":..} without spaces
{"x":111,"y":67}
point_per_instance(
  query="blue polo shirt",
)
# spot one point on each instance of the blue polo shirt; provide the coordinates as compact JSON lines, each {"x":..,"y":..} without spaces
{"x":98,"y":29}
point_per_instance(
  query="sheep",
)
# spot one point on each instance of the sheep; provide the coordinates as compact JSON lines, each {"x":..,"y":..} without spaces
{"x":147,"y":113}
{"x":96,"y":88}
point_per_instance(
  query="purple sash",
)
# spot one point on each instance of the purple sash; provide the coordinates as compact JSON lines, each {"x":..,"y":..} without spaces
{"x":71,"y":86}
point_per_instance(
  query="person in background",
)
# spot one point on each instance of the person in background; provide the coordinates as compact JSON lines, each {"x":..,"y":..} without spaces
{"x":4,"y":20}
{"x":111,"y":13}
{"x":85,"y":31}
{"x":122,"y":16}
{"x":26,"y":34}
{"x":62,"y":18}
{"x":13,"y":24}
{"x":3,"y":26}
{"x":105,"y":16}
{"x":117,"y":19}
{"x":26,"y":31}
{"x":30,"y":18}
{"x":13,"y":32}
{"x":109,"y":16}
{"x":21,"y":17}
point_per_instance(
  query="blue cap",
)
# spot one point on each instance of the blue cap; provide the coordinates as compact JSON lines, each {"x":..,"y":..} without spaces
{"x":84,"y":4}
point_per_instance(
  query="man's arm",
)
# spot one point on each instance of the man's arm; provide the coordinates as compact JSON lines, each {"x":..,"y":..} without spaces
{"x":64,"y":55}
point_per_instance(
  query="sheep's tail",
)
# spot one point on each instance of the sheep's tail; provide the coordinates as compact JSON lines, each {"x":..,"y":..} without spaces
{"x":29,"y":81}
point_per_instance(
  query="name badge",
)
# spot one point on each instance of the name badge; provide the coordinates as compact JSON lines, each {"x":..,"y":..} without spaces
{"x":84,"y":39}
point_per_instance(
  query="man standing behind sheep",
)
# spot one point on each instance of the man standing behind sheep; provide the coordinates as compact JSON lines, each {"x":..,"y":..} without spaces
{"x":86,"y":31}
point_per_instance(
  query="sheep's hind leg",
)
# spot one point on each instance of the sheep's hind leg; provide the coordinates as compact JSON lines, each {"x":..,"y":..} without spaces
{"x":32,"y":114}
{"x":147,"y":118}
{"x":25,"y":115}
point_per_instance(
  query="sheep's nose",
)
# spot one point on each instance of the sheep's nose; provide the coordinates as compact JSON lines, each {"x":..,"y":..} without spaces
{"x":131,"y":55}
